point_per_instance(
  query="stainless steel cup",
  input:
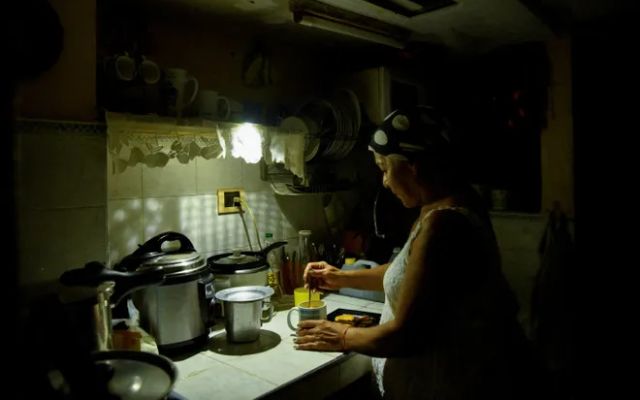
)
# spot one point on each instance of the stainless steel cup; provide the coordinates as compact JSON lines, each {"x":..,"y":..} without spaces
{"x":243,"y":310}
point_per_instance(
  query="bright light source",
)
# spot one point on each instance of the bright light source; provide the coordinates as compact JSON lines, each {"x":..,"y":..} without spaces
{"x":246,"y":143}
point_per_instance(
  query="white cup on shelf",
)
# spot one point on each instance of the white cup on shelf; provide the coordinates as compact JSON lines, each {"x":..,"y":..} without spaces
{"x":186,"y":87}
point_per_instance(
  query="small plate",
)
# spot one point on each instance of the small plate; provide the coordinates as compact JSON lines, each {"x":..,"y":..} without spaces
{"x":332,"y":316}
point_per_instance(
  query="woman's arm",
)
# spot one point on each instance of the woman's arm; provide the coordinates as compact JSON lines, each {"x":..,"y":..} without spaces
{"x":324,"y":276}
{"x":414,"y":311}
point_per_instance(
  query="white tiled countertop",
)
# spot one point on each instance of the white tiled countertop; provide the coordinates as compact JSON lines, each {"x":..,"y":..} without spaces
{"x":279,"y":372}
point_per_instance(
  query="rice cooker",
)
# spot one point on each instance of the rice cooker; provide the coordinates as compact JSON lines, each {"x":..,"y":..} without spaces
{"x":179,"y":312}
{"x":241,"y":268}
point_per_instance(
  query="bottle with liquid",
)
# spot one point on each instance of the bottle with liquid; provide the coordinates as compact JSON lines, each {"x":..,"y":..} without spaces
{"x":273,"y":275}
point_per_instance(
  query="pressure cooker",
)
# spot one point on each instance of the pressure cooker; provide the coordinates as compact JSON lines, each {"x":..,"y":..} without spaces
{"x":241,"y":268}
{"x":179,"y":312}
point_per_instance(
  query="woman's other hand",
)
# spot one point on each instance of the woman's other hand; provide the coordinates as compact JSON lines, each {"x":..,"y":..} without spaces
{"x":321,"y":335}
{"x":321,"y":275}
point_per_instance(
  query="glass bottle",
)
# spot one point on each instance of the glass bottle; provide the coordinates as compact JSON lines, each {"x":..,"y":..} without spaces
{"x":304,"y":253}
{"x":273,"y":275}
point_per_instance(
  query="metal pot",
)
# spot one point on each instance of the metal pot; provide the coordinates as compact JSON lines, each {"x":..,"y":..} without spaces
{"x":177,"y":313}
{"x":241,"y":268}
{"x":243,"y":307}
{"x":133,"y":375}
{"x":88,"y":295}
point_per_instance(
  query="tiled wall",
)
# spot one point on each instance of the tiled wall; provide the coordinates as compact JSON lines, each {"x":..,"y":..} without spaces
{"x":63,"y":209}
{"x":143,"y":202}
{"x":61,"y":189}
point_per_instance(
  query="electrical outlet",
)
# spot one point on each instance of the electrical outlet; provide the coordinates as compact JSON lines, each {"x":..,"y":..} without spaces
{"x":227,"y":200}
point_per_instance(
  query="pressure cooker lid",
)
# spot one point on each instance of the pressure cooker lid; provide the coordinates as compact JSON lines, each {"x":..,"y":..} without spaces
{"x":178,"y":264}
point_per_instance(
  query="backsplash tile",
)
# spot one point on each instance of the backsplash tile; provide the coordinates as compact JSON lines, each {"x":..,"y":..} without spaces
{"x":214,"y":174}
{"x":47,"y":177}
{"x":182,"y":214}
{"x":53,"y":241}
{"x":251,"y":181}
{"x":174,"y":179}
{"x":126,"y":227}
{"x":61,"y":199}
{"x":123,"y":182}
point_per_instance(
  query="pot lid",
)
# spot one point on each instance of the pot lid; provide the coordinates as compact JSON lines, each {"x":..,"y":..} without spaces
{"x":238,"y":262}
{"x":133,"y":375}
{"x":238,"y":258}
{"x":244,"y":294}
{"x":177,"y":264}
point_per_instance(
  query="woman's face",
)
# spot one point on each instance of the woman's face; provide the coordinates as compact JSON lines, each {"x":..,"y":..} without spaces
{"x":399,"y":177}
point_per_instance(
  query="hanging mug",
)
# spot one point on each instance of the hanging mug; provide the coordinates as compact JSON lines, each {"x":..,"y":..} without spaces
{"x":186,"y":89}
{"x":122,"y":67}
{"x":149,"y":71}
{"x":211,"y":105}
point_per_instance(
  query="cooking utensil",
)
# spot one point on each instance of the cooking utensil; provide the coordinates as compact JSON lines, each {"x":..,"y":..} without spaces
{"x":241,"y":268}
{"x":131,"y":375}
{"x":179,"y":312}
{"x":243,"y":306}
{"x":91,"y":292}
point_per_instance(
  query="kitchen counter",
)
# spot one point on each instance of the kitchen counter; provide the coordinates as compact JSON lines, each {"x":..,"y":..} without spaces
{"x":272,"y":367}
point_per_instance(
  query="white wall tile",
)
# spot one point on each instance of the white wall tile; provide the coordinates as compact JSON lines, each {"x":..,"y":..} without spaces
{"x":62,"y":170}
{"x":123,"y":183}
{"x":53,"y":241}
{"x":251,"y":181}
{"x":125,"y":228}
{"x":267,"y":214}
{"x":214,"y":174}
{"x":179,"y":214}
{"x":174,"y":179}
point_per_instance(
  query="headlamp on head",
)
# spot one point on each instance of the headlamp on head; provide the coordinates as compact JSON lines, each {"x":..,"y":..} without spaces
{"x":409,"y":132}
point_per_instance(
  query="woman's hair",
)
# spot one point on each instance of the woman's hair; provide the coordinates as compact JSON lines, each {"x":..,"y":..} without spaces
{"x":420,"y":135}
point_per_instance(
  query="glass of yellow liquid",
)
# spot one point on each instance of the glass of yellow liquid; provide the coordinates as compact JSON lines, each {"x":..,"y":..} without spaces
{"x":301,"y":294}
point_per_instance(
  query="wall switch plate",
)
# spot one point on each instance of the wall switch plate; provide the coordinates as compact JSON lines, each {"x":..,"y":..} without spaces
{"x":227,"y":198}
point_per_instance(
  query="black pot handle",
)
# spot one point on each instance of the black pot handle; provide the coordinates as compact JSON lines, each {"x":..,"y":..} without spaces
{"x":273,"y":246}
{"x":94,"y":273}
{"x":153,"y":248}
{"x":155,"y":243}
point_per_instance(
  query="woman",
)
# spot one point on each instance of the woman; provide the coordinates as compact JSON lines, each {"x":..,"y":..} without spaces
{"x":448,"y":328}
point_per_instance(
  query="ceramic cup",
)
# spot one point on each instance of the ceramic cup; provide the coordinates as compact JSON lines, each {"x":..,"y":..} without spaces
{"x":123,"y":67}
{"x":149,"y":71}
{"x":315,"y":309}
{"x":211,"y":105}
{"x":186,"y":89}
{"x":301,"y":294}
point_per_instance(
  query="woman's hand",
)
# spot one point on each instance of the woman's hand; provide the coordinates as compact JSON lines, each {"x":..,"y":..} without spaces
{"x":320,"y":275}
{"x":321,"y":335}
